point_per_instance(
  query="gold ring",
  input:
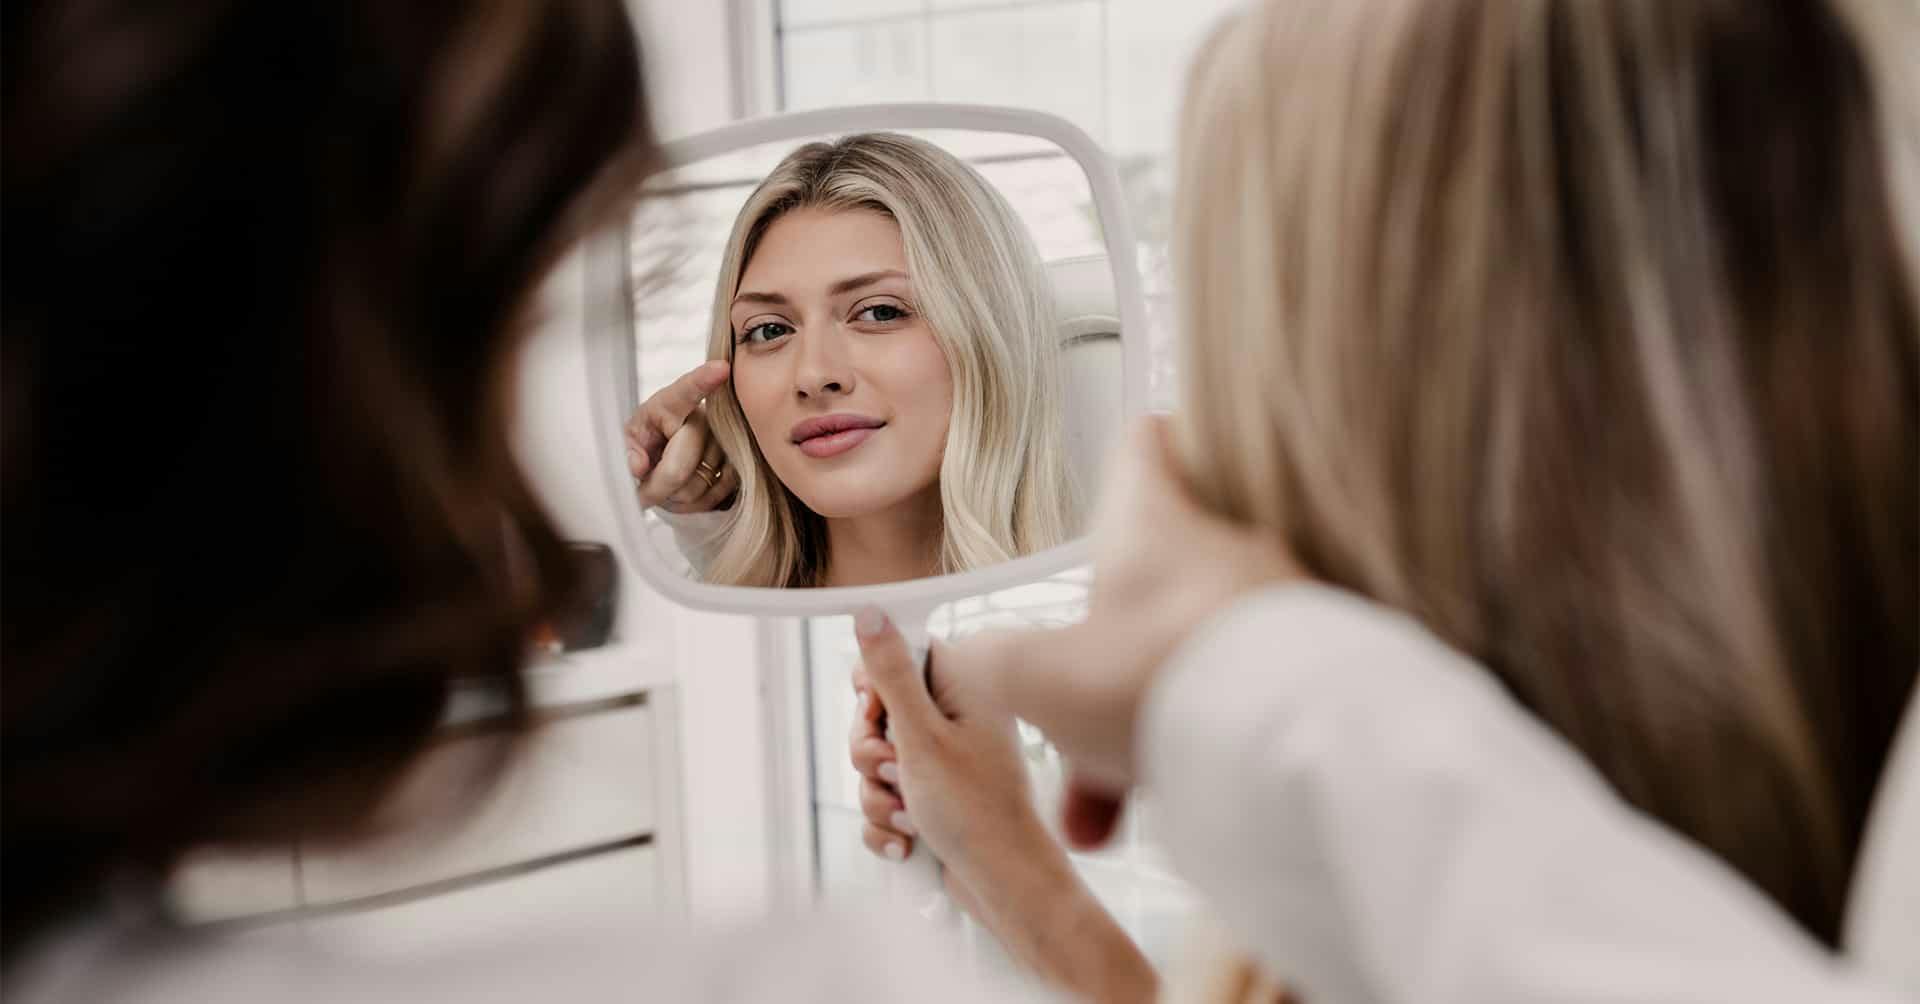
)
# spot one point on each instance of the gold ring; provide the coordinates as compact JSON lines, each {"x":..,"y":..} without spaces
{"x":708,"y":473}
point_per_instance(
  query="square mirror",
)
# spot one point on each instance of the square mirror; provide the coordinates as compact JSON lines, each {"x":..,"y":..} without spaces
{"x":869,"y":355}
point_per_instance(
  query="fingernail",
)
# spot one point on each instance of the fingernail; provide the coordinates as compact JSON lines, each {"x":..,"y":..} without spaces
{"x":889,"y":772}
{"x":865,"y":699}
{"x":903,"y":822}
{"x":896,"y":852}
{"x":633,"y":458}
{"x":869,"y":622}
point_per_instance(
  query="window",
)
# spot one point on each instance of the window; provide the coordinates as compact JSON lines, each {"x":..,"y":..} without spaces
{"x":1115,"y":68}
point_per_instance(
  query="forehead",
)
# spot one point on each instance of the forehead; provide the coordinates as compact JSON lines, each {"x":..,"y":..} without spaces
{"x":809,"y":249}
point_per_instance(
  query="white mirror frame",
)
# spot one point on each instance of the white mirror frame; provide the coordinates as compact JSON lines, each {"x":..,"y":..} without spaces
{"x":613,"y":375}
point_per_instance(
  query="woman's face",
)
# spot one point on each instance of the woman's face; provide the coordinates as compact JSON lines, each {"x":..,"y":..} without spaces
{"x":846,"y":391}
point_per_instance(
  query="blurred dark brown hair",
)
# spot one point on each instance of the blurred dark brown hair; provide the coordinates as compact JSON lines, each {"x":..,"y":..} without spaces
{"x":268,"y":266}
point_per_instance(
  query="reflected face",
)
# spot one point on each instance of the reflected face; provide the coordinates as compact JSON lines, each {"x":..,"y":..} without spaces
{"x":846,"y":391}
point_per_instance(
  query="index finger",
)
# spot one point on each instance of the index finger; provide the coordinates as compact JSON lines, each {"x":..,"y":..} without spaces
{"x":669,"y":406}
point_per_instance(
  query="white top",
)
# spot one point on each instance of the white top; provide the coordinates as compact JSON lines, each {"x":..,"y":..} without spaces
{"x":695,"y":539}
{"x":1368,"y":812}
{"x":1365,"y":809}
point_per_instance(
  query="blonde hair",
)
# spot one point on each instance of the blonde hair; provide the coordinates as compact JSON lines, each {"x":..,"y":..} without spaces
{"x":1005,"y":489}
{"x":1583,"y":332}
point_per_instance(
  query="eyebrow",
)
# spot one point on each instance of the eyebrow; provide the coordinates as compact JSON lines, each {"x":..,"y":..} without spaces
{"x":846,"y":285}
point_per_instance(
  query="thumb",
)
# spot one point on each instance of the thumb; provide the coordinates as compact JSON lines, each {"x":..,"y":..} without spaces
{"x":892,"y":670}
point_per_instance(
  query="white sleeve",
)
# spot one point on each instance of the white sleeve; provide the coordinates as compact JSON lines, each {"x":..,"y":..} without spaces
{"x":696,"y":537}
{"x":1376,"y":820}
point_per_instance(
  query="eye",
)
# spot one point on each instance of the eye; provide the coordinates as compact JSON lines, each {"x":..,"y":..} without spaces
{"x":763,"y":333}
{"x":882,"y":313}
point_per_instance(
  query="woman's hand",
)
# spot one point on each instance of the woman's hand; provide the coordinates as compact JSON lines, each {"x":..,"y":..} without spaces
{"x":946,"y":769}
{"x":1162,"y":566}
{"x":968,"y":783}
{"x":676,"y":463}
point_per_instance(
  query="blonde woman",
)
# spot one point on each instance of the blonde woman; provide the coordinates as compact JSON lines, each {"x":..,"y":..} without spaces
{"x":883,"y":397}
{"x":1562,"y":359}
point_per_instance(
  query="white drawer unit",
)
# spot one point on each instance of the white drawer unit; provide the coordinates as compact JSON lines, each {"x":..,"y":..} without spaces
{"x":586,"y":811}
{"x":576,"y":783}
{"x":215,"y":885}
{"x":609,"y":891}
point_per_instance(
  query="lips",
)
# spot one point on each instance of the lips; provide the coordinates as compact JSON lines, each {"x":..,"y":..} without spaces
{"x":831,"y":435}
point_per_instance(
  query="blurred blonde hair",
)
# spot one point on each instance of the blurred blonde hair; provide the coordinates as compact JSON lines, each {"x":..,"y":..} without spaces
{"x":1005,"y":489}
{"x":1585,"y":331}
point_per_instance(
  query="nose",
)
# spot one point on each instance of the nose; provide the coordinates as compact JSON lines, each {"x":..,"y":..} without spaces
{"x":824,"y":368}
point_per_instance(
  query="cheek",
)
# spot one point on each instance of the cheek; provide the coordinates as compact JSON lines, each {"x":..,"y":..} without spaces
{"x":757,"y":393}
{"x":925,"y":370}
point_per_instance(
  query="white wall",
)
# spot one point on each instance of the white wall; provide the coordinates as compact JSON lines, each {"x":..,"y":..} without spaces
{"x":727,"y":805}
{"x":687,"y":48}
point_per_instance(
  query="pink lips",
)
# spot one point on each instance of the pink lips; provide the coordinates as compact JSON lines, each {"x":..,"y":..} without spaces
{"x":832,"y":435}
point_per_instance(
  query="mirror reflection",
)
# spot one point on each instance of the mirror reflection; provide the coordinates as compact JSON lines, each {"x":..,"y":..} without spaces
{"x":906,"y":365}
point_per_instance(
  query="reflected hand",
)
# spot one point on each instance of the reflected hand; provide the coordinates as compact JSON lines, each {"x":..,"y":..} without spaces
{"x":675,"y":461}
{"x":1162,"y":566}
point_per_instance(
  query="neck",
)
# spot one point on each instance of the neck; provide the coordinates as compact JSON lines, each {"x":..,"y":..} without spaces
{"x":895,"y":544}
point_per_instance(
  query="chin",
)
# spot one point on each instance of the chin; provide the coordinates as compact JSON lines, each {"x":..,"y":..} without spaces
{"x":844,"y":504}
{"x":851,"y":496}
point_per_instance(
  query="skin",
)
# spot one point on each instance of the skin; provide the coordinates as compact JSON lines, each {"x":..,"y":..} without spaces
{"x":946,"y":769}
{"x":959,"y":761}
{"x":826,"y":323}
{"x":667,"y":441}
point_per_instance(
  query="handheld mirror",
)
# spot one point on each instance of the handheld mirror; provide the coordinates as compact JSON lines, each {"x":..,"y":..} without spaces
{"x":864,"y":356}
